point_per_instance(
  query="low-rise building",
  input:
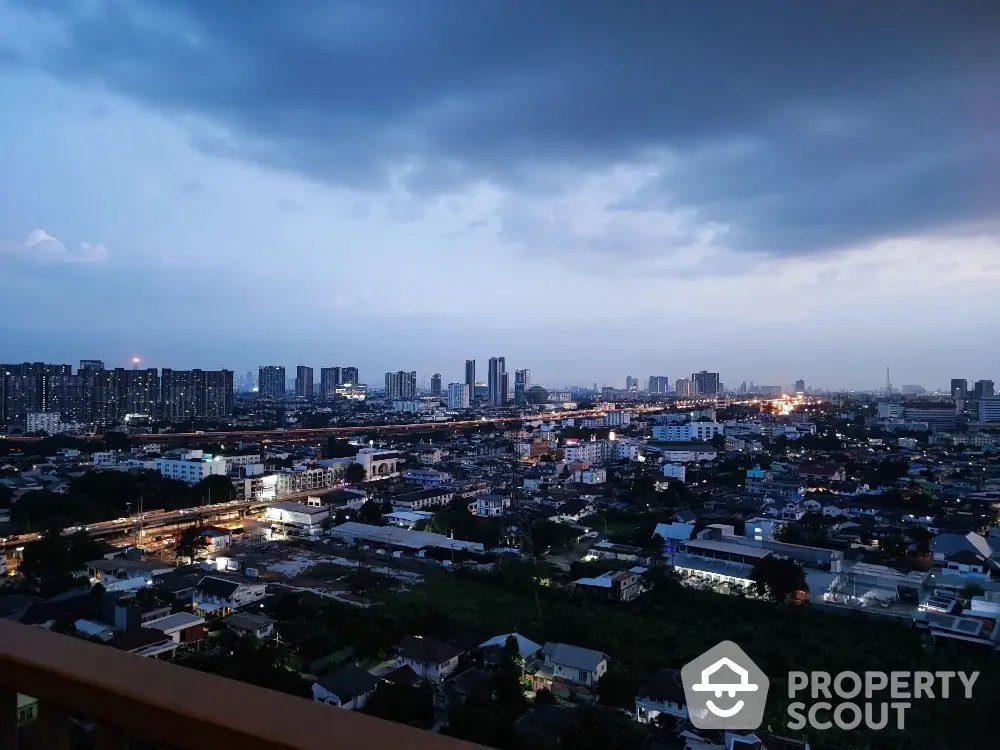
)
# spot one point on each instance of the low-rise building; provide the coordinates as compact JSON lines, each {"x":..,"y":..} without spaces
{"x":290,"y":519}
{"x":190,"y":471}
{"x":431,"y":660}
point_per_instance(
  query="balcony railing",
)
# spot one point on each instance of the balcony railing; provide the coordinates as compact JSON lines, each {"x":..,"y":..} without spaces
{"x":126,"y":697}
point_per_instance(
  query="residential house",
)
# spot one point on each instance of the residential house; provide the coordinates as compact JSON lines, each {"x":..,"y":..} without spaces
{"x":245,"y":624}
{"x":180,"y":627}
{"x":568,"y":669}
{"x":222,"y":595}
{"x":431,"y":660}
{"x":967,"y":564}
{"x":472,"y":685}
{"x":218,"y":539}
{"x":349,"y":687}
{"x":663,"y":695}
{"x":492,"y":650}
{"x":619,"y":586}
{"x":821,"y":472}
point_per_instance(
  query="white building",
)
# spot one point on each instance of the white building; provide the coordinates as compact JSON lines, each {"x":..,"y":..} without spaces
{"x":417,"y":407}
{"x":303,"y":479}
{"x":675,"y":471}
{"x":490,"y":506}
{"x":378,"y":463}
{"x":247,"y":460}
{"x":617,"y":418}
{"x":190,"y":471}
{"x":257,"y":487}
{"x":591,"y":476}
{"x":44,"y":421}
{"x":104,"y":458}
{"x":989,"y":409}
{"x":685,"y":432}
{"x":458,"y":395}
{"x":295,"y":519}
{"x":690,"y":455}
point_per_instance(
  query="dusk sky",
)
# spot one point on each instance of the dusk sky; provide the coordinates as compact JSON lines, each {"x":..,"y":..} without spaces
{"x":772,"y":190}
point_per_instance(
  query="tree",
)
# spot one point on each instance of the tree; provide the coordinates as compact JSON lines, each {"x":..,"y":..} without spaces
{"x":972,"y":589}
{"x":354,"y":474}
{"x":214,"y":489}
{"x":116,"y":441}
{"x":778,"y":579}
{"x":371,"y":513}
{"x":616,"y":689}
{"x":191,"y":541}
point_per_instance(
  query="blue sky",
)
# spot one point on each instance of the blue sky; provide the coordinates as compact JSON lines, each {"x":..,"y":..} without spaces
{"x":772,"y":191}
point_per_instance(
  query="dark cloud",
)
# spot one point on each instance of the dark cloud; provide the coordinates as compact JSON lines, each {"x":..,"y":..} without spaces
{"x":801,"y":126}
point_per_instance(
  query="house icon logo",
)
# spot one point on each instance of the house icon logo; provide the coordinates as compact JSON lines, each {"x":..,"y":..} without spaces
{"x":724,"y":689}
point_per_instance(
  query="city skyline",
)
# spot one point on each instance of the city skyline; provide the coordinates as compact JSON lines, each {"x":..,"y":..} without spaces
{"x":287,"y":376}
{"x":844,"y":185}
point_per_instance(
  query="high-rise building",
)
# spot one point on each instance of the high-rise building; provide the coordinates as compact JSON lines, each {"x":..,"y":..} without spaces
{"x":349,"y":376}
{"x":400,"y":386}
{"x":458,"y":396}
{"x":196,"y":394}
{"x":271,"y":381}
{"x":522,"y":382}
{"x":631,"y":384}
{"x":684,"y":388}
{"x":436,"y":384}
{"x":304,"y":381}
{"x":496,"y":381}
{"x":138,"y":392}
{"x":470,"y":377}
{"x":705,"y":383}
{"x":91,"y":364}
{"x":983,"y":389}
{"x":658,"y":384}
{"x":800,"y":387}
{"x":329,"y":379}
{"x":959,"y":388}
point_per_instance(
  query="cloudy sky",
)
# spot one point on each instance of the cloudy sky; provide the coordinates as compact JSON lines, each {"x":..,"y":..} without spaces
{"x":772,"y":189}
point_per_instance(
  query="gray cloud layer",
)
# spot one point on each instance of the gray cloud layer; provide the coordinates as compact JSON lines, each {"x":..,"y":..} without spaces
{"x":800,"y":126}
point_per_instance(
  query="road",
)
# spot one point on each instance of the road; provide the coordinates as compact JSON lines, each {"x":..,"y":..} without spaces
{"x":159,"y":519}
{"x":387,"y":429}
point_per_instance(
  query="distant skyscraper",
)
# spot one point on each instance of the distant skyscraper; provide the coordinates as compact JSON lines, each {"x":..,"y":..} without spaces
{"x":349,"y":375}
{"x":401,"y":386}
{"x":800,"y":386}
{"x":497,"y":381}
{"x":959,"y":388}
{"x":470,"y":377}
{"x":684,"y":388}
{"x":436,"y":384}
{"x":658,"y":384}
{"x":522,"y":382}
{"x":329,"y":379}
{"x":304,"y":381}
{"x":271,"y":381}
{"x":91,"y":364}
{"x":631,"y":384}
{"x":458,"y":395}
{"x":705,"y":383}
{"x":983,"y":389}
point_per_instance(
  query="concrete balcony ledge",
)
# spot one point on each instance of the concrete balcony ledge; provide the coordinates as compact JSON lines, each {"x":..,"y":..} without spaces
{"x":131,"y":696}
